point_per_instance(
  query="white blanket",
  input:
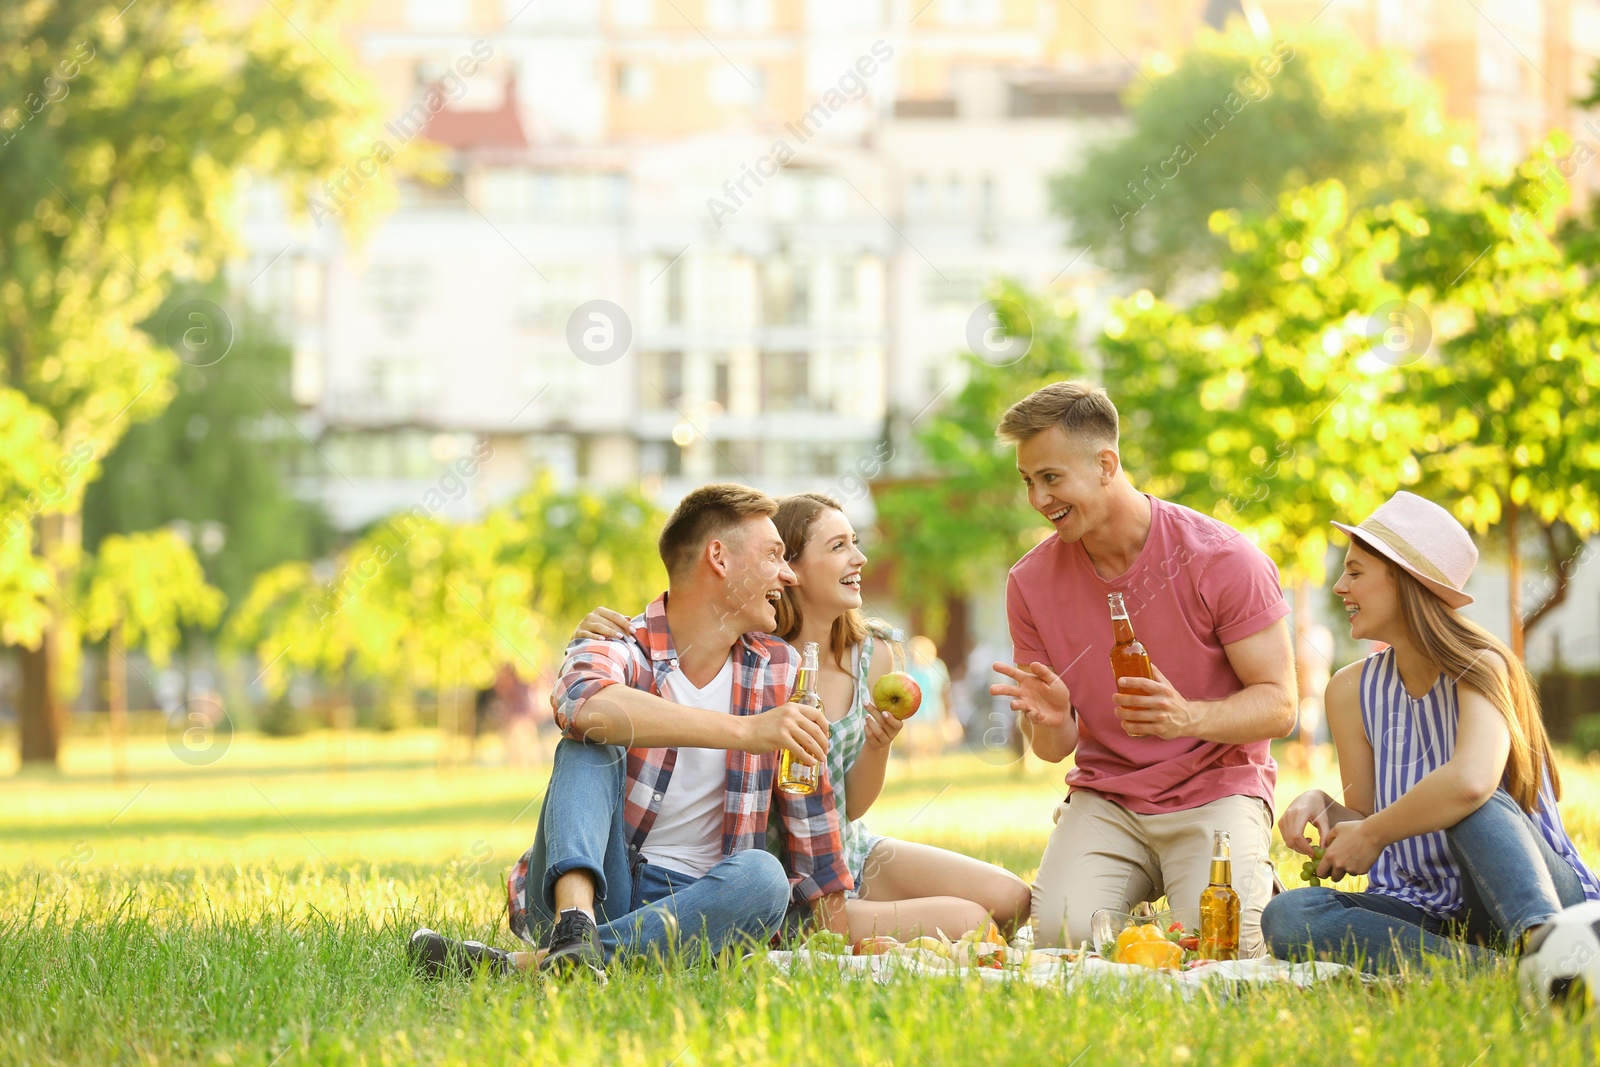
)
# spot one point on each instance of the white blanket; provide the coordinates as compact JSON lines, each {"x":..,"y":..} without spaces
{"x":1063,"y":972}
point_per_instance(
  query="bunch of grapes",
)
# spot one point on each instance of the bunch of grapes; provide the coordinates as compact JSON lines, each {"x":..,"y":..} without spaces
{"x":1308,"y":869}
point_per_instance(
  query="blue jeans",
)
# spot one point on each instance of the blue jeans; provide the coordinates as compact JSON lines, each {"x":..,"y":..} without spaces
{"x":642,"y":909}
{"x":1511,"y":879}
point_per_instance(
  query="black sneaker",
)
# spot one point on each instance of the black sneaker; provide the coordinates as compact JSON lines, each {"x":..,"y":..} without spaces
{"x":434,"y":955}
{"x":574,"y":947}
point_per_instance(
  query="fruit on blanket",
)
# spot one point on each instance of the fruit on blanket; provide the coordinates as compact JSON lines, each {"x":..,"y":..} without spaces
{"x":876,"y":946}
{"x":827,"y":941}
{"x":1155,"y":954}
{"x":932,"y":944}
{"x":1144,"y":944}
{"x":897,"y":693}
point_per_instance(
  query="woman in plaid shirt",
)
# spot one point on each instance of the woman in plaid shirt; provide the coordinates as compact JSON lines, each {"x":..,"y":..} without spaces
{"x":651,"y":836}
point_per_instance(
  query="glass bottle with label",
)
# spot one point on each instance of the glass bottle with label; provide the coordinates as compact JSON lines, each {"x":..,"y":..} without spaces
{"x":1219,"y":905}
{"x":794,"y":777}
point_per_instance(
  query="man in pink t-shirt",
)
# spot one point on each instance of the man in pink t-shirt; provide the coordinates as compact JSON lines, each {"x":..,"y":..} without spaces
{"x":1163,"y":764}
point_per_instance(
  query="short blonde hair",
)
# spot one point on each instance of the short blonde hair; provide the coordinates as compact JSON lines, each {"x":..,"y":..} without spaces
{"x":708,"y":512}
{"x":1080,"y":408}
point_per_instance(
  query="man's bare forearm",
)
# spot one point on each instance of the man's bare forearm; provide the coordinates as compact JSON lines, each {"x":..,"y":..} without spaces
{"x":1051,"y":744}
{"x":1261,"y":712}
{"x":620,"y":715}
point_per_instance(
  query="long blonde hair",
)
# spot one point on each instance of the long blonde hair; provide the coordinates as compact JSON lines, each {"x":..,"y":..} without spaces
{"x":795,"y":516}
{"x":1459,"y":647}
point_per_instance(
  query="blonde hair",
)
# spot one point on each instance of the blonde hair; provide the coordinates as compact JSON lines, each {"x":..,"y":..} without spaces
{"x":794,"y":519}
{"x":1461,"y":649}
{"x":1082,"y":409}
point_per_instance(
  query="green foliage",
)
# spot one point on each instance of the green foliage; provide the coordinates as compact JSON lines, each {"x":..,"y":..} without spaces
{"x":1257,"y":405}
{"x":1312,"y":108}
{"x":220,"y":452}
{"x":151,"y":585}
{"x":33,"y":475}
{"x":438,"y":603}
{"x":1514,"y":389}
{"x":950,"y":529}
{"x":129,"y":135}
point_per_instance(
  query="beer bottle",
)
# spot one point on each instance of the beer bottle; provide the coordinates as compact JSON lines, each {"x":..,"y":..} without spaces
{"x":1219,"y":905}
{"x":794,"y":777}
{"x":1128,"y":656}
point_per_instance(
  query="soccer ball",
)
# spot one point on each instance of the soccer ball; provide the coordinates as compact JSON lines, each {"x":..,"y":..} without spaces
{"x":1561,"y":964}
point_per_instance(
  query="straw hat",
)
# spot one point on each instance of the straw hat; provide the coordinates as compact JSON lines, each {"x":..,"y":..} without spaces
{"x":1425,"y":541}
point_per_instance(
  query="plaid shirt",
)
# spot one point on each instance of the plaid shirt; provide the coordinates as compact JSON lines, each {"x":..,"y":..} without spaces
{"x":764,"y":670}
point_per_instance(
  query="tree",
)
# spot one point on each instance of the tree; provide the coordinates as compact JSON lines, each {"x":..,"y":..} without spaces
{"x":140,"y":591}
{"x":1448,"y":346}
{"x":425,"y":603}
{"x":141,"y":122}
{"x":1238,"y":122}
{"x":1514,"y":378}
{"x":217,"y":457}
{"x":1262,"y":405}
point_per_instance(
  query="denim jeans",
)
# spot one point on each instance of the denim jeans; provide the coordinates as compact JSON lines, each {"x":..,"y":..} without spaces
{"x":642,"y":909}
{"x":1511,"y":879}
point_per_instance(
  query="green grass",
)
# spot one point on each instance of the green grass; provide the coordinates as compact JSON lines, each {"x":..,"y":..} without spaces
{"x":253,"y":912}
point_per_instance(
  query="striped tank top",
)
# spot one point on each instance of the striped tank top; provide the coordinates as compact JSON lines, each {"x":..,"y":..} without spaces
{"x":1411,"y":737}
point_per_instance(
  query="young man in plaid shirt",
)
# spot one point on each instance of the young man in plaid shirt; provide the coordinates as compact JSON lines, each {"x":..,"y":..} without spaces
{"x":652,"y":834}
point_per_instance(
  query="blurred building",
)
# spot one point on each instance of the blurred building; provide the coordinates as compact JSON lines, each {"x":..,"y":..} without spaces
{"x":794,"y":205}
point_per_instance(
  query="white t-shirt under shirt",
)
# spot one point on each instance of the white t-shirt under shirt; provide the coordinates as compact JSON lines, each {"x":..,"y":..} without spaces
{"x":687,"y":835}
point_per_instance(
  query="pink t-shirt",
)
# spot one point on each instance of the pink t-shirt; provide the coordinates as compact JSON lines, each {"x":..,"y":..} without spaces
{"x":1198,"y":584}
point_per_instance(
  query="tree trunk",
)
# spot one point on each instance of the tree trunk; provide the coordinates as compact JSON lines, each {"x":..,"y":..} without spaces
{"x":1514,"y":577}
{"x":447,"y":716}
{"x":117,"y":702}
{"x":1564,"y":564}
{"x":42,"y":715}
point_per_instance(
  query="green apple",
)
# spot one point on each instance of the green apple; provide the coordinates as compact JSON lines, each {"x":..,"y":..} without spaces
{"x":897,"y":693}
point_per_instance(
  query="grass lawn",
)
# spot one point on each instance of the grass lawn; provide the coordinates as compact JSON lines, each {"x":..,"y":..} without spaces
{"x":254,"y":912}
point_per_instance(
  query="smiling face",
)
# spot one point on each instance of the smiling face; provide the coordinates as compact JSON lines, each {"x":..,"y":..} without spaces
{"x":756,"y":575}
{"x":1370,"y":593}
{"x":827,"y":571}
{"x":1066,"y":479}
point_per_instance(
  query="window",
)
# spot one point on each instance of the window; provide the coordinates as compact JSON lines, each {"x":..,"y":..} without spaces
{"x":955,"y":287}
{"x":735,"y":459}
{"x":733,"y":85}
{"x":674,"y":294}
{"x":633,"y":13}
{"x":919,"y":200}
{"x":721,"y":380}
{"x":787,"y":299}
{"x":547,"y":301}
{"x":969,"y":12}
{"x":437,"y":13}
{"x":397,"y":291}
{"x":740,"y":14}
{"x":786,"y":381}
{"x":844,"y":285}
{"x":635,"y":81}
{"x":660,"y":380}
{"x":955,"y":198}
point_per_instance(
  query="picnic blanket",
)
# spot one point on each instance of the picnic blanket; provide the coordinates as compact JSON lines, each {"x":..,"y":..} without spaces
{"x":1067,"y":970}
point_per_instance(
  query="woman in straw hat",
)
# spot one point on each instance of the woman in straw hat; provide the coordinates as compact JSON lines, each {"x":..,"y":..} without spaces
{"x":1450,"y":791}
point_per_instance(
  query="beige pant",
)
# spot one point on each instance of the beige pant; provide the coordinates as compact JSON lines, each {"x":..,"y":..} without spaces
{"x":1101,"y":855}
